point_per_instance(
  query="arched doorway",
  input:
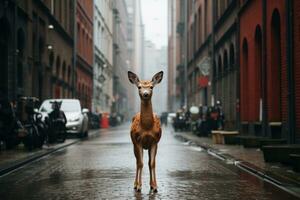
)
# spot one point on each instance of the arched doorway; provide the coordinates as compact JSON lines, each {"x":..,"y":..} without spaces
{"x":232,"y":85}
{"x":41,"y":69}
{"x":64,"y":68}
{"x":274,"y":77}
{"x":225,"y":97}
{"x":258,"y":75}
{"x":244,"y":82}
{"x":57,"y":92}
{"x":232,"y":57}
{"x":20,"y":57}
{"x":4,"y":46}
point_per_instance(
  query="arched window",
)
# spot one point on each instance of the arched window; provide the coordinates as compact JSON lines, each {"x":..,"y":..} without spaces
{"x":225,"y":61}
{"x":244,"y":81}
{"x":51,"y":59}
{"x":20,"y":42}
{"x":257,"y":82}
{"x":64,"y":71}
{"x":20,"y":47}
{"x":274,"y":82}
{"x":57,"y":66}
{"x":220,"y":68}
{"x":78,"y":37}
{"x":214,"y":69}
{"x":41,"y":48}
{"x":69,"y":74}
{"x":232,"y":57}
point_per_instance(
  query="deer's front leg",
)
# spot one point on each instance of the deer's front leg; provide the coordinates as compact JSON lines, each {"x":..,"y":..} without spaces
{"x":138,"y":152}
{"x":152,"y":154}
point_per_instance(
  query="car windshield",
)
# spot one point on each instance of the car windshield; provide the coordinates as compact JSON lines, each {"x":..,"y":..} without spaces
{"x":67,"y":106}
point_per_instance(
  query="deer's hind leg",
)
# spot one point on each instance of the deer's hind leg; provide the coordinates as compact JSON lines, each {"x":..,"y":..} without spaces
{"x":138,"y":152}
{"x":152,"y":155}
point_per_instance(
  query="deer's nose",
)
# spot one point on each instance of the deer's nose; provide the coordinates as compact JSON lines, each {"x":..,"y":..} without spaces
{"x":145,"y":94}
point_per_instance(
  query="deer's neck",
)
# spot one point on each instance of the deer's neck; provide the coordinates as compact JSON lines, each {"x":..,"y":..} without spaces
{"x":146,"y":114}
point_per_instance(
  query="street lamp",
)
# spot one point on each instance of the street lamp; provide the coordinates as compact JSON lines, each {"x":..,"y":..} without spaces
{"x":50,"y":27}
{"x":49,"y":47}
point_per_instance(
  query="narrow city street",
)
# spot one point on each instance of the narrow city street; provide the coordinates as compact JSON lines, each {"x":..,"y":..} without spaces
{"x":103,"y":167}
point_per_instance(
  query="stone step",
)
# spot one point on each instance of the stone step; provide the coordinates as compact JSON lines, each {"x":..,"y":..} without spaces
{"x":295,"y":162}
{"x":280,"y":153}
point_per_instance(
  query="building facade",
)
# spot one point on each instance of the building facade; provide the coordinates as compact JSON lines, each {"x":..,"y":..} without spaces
{"x":224,"y":67}
{"x":176,"y":54}
{"x":123,"y":102}
{"x":103,"y":57}
{"x":36,"y":48}
{"x":199,"y":53}
{"x":263,"y":68}
{"x":155,"y":61}
{"x":254,"y":65}
{"x":135,"y":42}
{"x":84,"y":52}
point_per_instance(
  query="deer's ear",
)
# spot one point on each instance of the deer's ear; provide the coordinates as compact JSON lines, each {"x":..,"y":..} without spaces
{"x":133,"y":78}
{"x":157,"y":77}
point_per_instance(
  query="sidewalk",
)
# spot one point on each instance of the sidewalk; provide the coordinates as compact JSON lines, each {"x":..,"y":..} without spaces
{"x":15,"y":158}
{"x":250,"y":160}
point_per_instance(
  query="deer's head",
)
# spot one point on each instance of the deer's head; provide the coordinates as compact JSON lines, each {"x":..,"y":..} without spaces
{"x":145,"y":87}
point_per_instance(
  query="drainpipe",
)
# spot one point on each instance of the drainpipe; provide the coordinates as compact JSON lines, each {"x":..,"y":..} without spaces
{"x":213,"y":84}
{"x":74,"y":50}
{"x":264,"y":70}
{"x":185,"y":51}
{"x":290,"y":67}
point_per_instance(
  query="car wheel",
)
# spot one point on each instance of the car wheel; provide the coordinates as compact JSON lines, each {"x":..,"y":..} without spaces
{"x":81,"y":135}
{"x":86,"y":134}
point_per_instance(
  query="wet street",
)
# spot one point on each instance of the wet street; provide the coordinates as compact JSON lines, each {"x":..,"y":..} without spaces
{"x":103,"y":167}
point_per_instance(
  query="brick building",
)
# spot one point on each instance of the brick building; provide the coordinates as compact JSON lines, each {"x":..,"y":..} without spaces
{"x":263,"y":67}
{"x":199,"y":52}
{"x":84,"y":58}
{"x":255,"y":66}
{"x":225,"y":70}
{"x":36,"y":40}
{"x":294,"y":70}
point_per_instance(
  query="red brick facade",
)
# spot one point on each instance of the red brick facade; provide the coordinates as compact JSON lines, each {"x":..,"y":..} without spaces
{"x":251,"y":62}
{"x":296,"y":63}
{"x":84,"y":61}
{"x":250,"y":22}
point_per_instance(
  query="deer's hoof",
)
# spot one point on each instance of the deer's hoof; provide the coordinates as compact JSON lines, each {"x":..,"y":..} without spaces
{"x":153,"y":189}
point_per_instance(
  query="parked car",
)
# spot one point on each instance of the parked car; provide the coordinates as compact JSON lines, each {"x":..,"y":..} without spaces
{"x":171,"y":117}
{"x":77,"y":118}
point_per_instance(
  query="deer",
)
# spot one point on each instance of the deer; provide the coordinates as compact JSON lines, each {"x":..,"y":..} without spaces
{"x":145,"y":129}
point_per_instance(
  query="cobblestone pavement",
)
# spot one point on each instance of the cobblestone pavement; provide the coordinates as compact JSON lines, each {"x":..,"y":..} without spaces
{"x":103,"y":167}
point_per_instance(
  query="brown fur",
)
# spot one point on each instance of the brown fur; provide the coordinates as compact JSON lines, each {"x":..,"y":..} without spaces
{"x":138,"y":132}
{"x":145,"y":129}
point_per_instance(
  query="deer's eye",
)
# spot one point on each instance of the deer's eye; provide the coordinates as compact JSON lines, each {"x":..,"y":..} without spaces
{"x":151,"y":87}
{"x":139,"y":87}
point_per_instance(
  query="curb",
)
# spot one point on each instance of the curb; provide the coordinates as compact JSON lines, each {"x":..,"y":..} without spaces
{"x":17,"y":164}
{"x":242,"y":165}
{"x":20,"y":163}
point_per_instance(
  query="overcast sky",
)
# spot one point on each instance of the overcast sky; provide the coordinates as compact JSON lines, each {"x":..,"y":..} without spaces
{"x":154,"y":13}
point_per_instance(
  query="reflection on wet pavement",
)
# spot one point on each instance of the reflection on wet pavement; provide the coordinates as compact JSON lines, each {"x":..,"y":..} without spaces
{"x":104,"y":168}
